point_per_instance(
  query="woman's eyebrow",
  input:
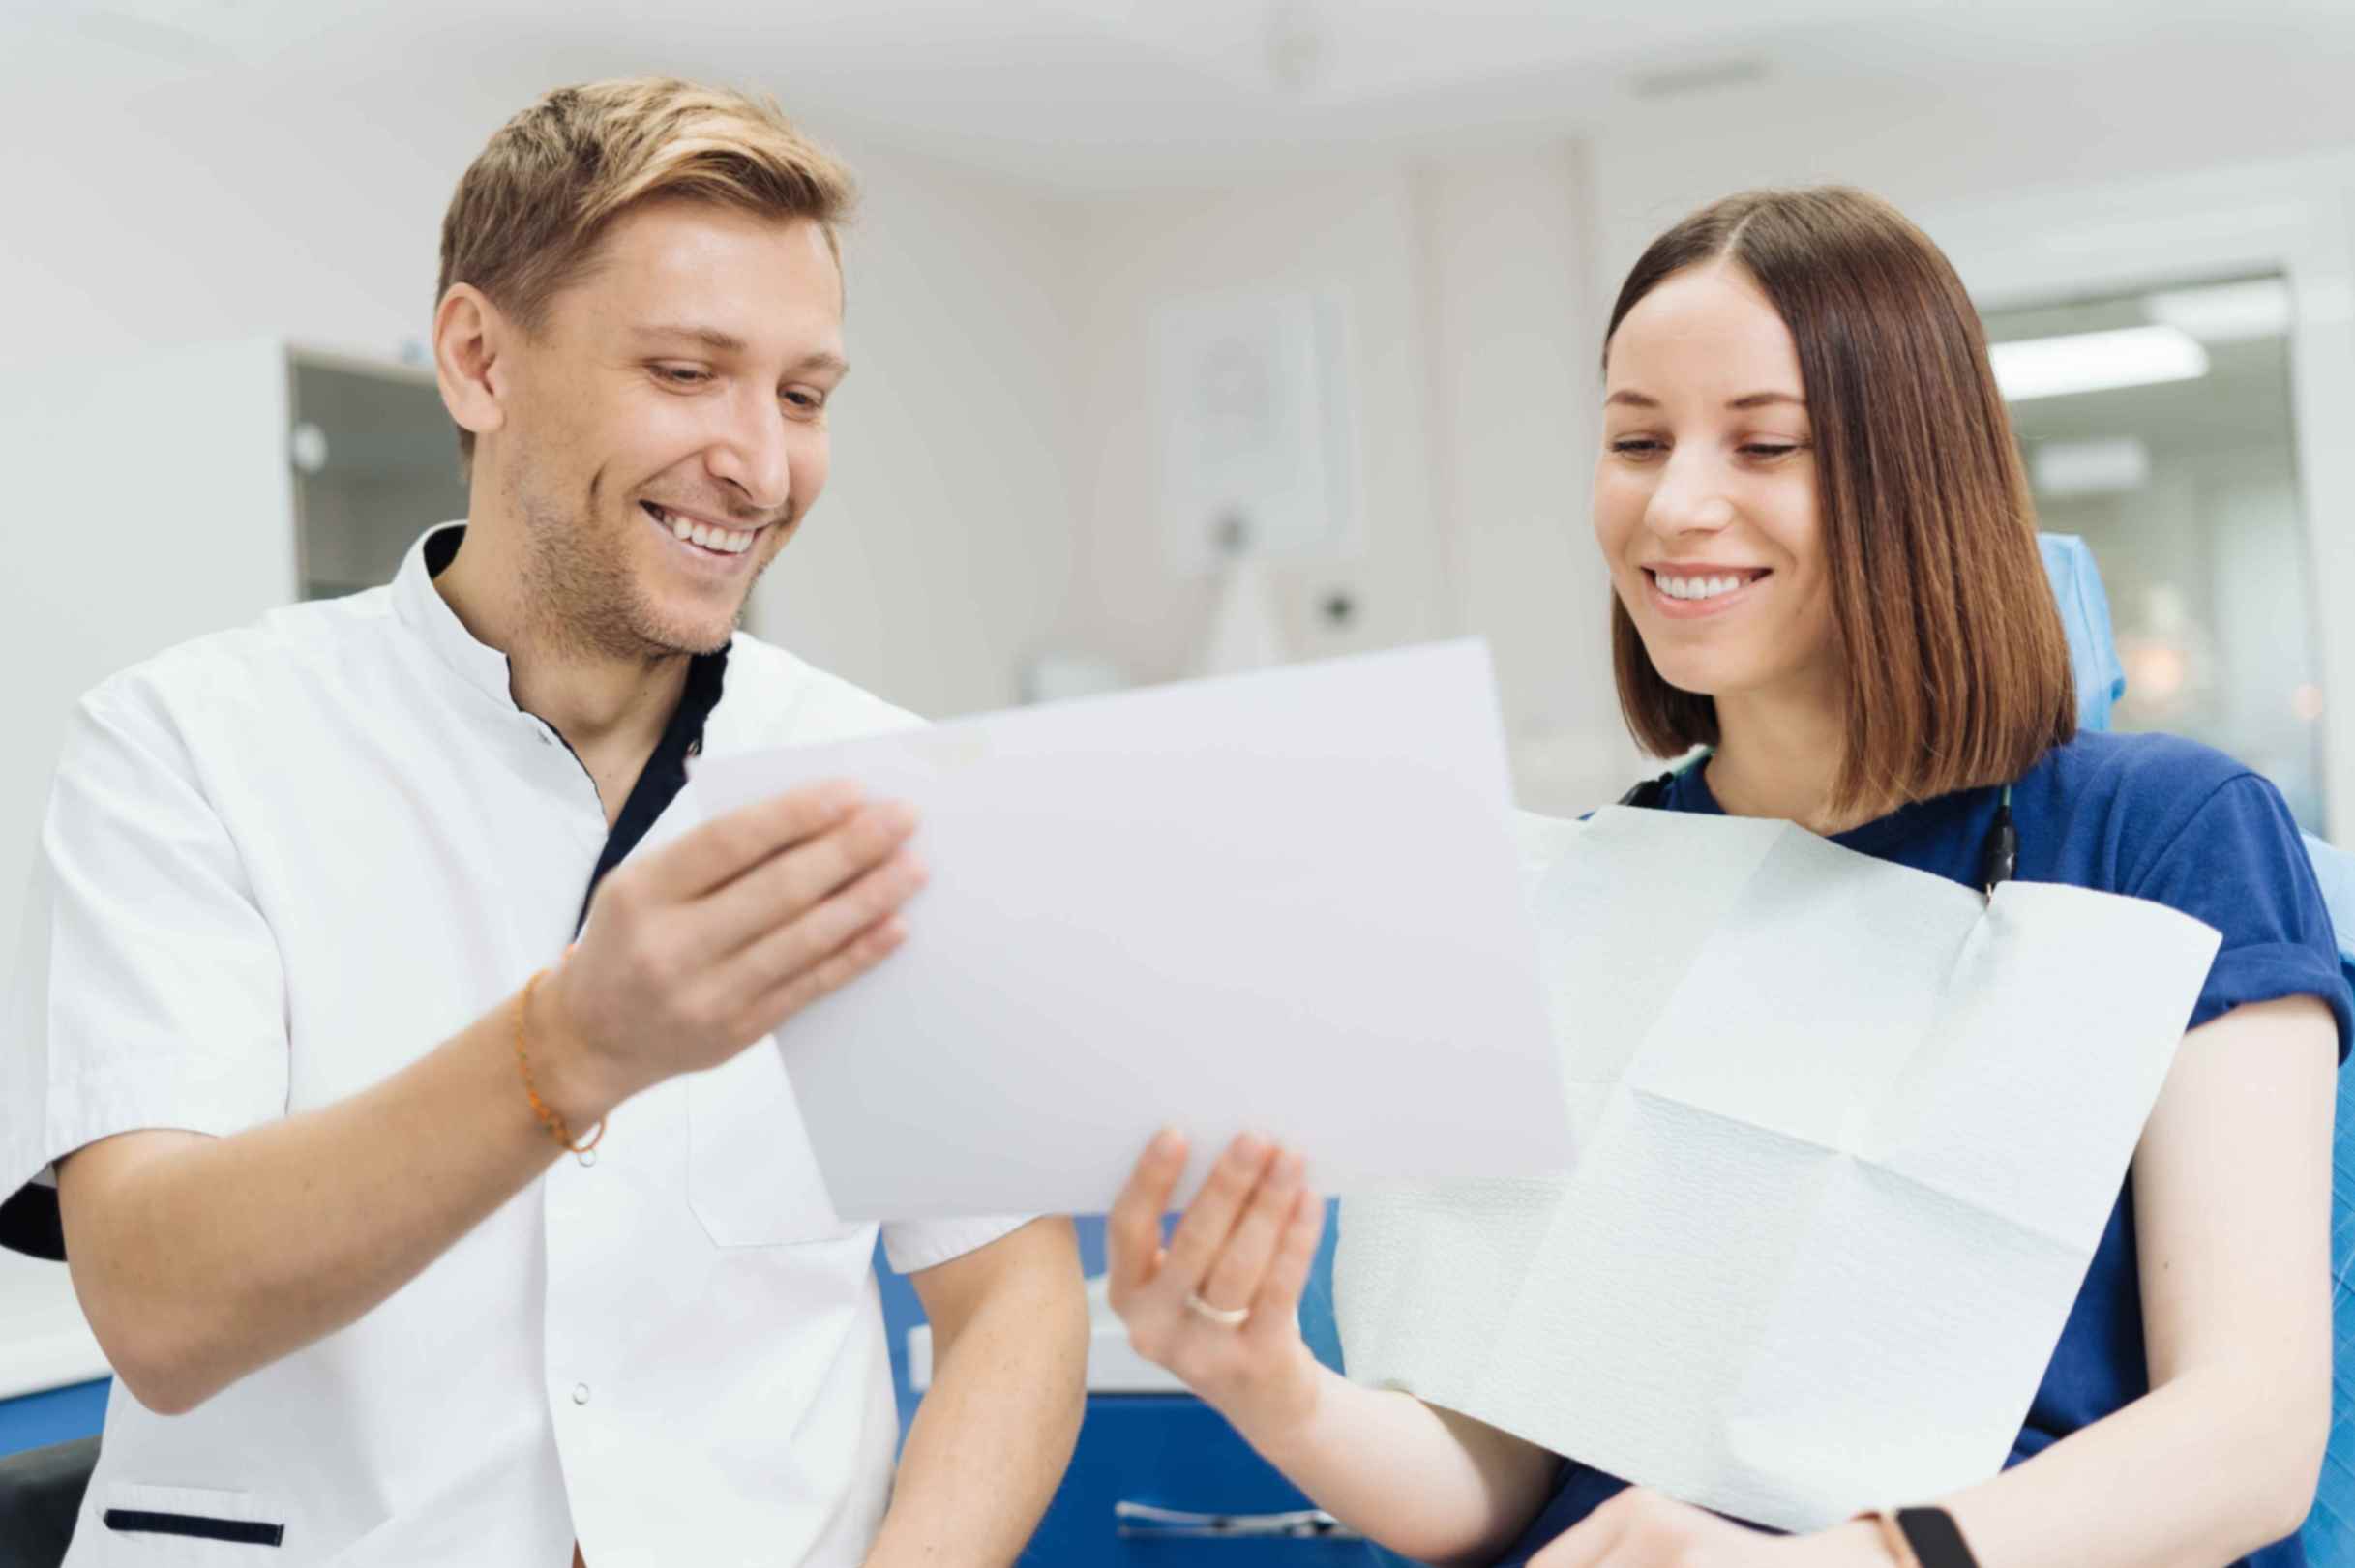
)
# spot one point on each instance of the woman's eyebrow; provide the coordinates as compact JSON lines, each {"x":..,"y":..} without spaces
{"x":1749,"y":400}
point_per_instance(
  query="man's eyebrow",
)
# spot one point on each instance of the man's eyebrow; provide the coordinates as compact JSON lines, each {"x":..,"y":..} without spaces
{"x":711,"y":338}
{"x":728,"y":342}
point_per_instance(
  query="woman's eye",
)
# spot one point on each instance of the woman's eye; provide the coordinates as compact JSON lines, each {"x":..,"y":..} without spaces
{"x":1769,"y":449}
{"x":808,"y":403}
{"x":1636,"y":446}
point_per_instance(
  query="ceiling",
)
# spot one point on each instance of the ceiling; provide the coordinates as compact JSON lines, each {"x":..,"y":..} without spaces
{"x":1095,"y":94}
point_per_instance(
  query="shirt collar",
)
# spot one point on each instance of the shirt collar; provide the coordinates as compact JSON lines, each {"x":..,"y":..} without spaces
{"x":424,"y":611}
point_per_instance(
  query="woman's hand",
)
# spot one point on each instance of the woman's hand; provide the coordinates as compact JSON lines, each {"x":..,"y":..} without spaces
{"x":1643,"y":1529}
{"x":1219,"y":1306}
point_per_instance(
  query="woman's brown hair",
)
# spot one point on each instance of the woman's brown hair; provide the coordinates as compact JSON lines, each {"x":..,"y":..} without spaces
{"x":1957,"y":666}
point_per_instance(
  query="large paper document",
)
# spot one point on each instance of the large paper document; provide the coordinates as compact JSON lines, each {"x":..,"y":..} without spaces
{"x":1286,"y":903}
{"x":1848,"y":1136}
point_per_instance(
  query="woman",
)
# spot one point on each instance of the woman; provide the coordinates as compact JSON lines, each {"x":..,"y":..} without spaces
{"x":1825,"y":568}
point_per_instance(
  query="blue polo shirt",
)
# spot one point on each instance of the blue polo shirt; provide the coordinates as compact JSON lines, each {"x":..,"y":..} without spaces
{"x":2155,"y":817}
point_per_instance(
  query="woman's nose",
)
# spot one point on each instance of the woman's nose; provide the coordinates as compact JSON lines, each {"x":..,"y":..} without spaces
{"x":1690,"y":498}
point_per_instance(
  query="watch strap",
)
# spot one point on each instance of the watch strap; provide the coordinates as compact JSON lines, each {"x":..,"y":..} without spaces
{"x":1934,"y":1538}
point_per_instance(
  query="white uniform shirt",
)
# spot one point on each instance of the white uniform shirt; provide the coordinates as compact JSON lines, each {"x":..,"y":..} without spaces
{"x":279,"y":864}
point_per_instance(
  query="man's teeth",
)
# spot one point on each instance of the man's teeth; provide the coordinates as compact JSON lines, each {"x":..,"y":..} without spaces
{"x":1698,"y":587}
{"x":725,"y":541}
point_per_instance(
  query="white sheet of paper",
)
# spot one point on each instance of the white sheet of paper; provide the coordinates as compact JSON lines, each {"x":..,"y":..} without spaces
{"x":1848,"y":1136}
{"x":1287,"y":903}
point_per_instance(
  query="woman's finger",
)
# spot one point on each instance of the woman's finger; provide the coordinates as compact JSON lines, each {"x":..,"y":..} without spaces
{"x":1276,"y":1310}
{"x":1234,"y":1278}
{"x":1132,"y":1228}
{"x":1210,"y":1218}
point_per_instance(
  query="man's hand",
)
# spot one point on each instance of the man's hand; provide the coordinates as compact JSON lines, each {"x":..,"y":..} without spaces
{"x":699,"y":950}
{"x":201,"y":1258}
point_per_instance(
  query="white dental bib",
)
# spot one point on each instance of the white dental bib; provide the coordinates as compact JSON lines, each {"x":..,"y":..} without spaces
{"x":1848,"y":1136}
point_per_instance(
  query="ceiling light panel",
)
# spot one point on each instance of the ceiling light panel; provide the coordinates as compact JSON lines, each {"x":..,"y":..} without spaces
{"x":2096,"y":362}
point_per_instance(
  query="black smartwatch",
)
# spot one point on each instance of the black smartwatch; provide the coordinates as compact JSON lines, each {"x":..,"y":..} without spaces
{"x":1932,"y":1537}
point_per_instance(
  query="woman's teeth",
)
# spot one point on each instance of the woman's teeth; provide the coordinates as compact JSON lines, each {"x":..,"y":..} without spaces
{"x":1698,"y":587}
{"x":724,"y":541}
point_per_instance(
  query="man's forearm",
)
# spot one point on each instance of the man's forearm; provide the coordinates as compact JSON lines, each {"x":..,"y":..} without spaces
{"x":994,"y":1435}
{"x":199,"y":1259}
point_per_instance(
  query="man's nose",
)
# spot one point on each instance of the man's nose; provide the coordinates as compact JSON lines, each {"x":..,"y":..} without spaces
{"x":753,"y":455}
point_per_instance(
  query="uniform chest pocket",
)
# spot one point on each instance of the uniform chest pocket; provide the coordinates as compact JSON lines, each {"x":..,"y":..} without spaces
{"x":186,"y":1527}
{"x":752,"y":1179}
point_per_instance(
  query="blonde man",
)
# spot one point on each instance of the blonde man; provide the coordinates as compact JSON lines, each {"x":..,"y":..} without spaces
{"x":300,"y":1050}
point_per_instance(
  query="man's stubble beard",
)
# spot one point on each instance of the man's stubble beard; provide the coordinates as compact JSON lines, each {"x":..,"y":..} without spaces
{"x":580,"y":595}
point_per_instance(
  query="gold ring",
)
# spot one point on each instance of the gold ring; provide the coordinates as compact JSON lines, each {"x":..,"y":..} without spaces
{"x":1223,"y":1317}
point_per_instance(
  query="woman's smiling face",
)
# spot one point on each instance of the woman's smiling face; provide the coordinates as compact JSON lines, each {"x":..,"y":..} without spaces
{"x":1705,"y":491}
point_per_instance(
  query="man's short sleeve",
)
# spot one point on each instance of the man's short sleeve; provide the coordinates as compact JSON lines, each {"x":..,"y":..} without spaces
{"x":915,"y":1244}
{"x":148,"y":991}
{"x":2238,"y":864}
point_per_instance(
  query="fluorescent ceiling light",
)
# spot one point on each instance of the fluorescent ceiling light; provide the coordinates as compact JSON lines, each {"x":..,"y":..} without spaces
{"x":2226,"y":313}
{"x":2090,"y":467}
{"x":2096,"y":362}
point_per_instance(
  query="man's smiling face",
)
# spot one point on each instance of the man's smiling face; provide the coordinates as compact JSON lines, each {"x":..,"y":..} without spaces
{"x":665,"y":427}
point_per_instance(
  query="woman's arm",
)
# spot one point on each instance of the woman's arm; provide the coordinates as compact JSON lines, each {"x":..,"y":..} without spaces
{"x":2232,"y":1205}
{"x":1427,"y":1483}
{"x":2232,"y":1197}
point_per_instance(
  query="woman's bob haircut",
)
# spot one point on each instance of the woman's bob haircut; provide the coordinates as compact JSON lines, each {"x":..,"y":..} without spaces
{"x":1957,"y":667}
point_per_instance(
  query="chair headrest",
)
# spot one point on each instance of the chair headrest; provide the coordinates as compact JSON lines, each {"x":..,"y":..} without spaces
{"x":2093,"y":648}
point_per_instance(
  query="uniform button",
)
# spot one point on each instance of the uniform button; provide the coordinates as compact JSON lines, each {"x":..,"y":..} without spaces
{"x":580,"y":1393}
{"x":588,"y":1156}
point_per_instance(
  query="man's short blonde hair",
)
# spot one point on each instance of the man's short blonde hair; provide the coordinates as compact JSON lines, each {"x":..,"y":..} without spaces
{"x":530,"y":211}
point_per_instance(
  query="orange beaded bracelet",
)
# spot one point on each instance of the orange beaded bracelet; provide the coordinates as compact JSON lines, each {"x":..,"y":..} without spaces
{"x":549,"y":1118}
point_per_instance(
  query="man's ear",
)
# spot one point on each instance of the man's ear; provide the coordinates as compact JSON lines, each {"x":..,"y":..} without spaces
{"x":470,"y":336}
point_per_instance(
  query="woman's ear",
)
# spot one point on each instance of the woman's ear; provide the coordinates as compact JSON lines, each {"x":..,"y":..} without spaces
{"x":469,"y":336}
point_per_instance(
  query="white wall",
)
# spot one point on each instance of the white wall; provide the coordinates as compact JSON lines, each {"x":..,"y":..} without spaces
{"x":186,"y":214}
{"x":1470,"y":374}
{"x":942,"y":552}
{"x":1355,"y":237}
{"x":1513,"y":329}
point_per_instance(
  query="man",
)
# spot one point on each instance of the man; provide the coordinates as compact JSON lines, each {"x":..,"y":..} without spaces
{"x":284,"y":1045}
